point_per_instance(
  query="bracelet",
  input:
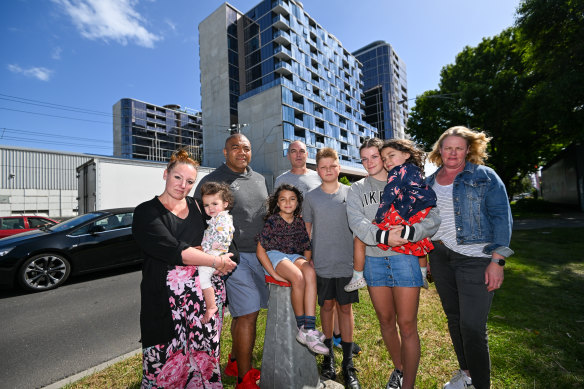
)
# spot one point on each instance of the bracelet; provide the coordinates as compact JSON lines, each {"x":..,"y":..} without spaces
{"x":213,"y":265}
{"x":222,"y":263}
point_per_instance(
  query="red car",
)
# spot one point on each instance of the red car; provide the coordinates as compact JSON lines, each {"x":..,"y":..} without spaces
{"x":10,"y":225}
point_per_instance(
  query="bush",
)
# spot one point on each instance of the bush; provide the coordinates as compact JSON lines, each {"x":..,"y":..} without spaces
{"x":535,"y":206}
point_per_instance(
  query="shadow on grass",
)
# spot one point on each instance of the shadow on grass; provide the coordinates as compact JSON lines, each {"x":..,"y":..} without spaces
{"x":536,"y":318}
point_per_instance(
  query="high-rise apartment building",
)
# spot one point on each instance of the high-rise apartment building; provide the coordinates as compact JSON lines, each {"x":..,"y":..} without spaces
{"x":147,"y":131}
{"x":386,"y":89}
{"x":277,"y":76}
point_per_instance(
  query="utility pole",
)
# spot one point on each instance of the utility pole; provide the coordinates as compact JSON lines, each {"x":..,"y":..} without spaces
{"x":236,"y":128}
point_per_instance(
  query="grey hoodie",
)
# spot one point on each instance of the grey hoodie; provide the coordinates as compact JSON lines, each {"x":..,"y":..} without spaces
{"x":362,"y":204}
{"x":250,"y":192}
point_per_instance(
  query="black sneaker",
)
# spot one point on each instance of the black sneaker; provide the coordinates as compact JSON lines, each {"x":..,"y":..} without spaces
{"x":395,"y":380}
{"x":327,"y":368}
{"x":351,"y":381}
{"x":356,"y":349}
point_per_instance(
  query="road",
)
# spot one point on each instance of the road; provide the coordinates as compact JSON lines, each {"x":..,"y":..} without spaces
{"x":51,"y":335}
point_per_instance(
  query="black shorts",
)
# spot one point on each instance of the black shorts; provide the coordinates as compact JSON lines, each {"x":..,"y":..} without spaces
{"x":333,"y":289}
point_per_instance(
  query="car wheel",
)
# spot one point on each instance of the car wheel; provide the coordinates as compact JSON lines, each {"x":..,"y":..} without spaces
{"x":43,"y":272}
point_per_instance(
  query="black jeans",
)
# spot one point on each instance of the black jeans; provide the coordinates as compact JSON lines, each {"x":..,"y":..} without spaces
{"x":460,"y":282}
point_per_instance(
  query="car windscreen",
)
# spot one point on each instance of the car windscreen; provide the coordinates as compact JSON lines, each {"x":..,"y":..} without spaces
{"x":67,"y":224}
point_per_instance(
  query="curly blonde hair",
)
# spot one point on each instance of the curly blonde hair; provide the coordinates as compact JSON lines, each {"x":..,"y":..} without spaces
{"x":476,"y":141}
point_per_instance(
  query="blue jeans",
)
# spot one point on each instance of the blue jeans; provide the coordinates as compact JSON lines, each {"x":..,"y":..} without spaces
{"x":460,"y":282}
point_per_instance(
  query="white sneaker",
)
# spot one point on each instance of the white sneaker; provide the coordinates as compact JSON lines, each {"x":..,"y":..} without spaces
{"x":320,"y":335}
{"x":459,"y":381}
{"x":425,"y":285}
{"x":355,"y":284}
{"x":310,"y":339}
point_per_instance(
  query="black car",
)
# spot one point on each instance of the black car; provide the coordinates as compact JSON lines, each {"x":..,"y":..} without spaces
{"x":43,"y":259}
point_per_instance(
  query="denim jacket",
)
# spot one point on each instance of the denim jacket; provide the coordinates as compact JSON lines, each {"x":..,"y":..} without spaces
{"x":481,"y":209}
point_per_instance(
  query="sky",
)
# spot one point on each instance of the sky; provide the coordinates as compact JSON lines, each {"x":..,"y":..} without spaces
{"x":65,"y":63}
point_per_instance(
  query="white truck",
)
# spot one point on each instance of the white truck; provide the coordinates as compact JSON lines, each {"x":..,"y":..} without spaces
{"x":106,"y":182}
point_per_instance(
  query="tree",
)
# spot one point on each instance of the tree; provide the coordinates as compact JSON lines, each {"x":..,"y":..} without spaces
{"x":485,"y":89}
{"x":345,"y":180}
{"x":552,"y":36}
{"x":522,"y":87}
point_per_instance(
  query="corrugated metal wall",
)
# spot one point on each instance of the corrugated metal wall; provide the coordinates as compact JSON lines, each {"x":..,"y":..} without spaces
{"x":22,"y":168}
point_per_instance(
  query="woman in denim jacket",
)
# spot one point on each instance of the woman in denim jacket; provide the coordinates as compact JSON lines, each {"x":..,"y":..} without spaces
{"x":470,"y":247}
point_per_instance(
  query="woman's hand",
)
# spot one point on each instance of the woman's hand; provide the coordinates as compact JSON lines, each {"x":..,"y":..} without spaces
{"x":225,"y":265}
{"x":394,"y":236}
{"x":494,"y":276}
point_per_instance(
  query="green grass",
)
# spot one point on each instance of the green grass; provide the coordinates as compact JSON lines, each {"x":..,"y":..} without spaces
{"x":530,"y":208}
{"x":535,"y":326}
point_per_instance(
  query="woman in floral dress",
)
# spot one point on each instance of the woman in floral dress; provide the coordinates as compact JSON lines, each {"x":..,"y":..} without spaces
{"x":178,"y":350}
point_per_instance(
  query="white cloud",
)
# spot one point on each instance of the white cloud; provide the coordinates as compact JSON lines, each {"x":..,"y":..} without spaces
{"x":170,"y":24}
{"x":109,"y":19}
{"x":40,"y":73}
{"x":56,"y":53}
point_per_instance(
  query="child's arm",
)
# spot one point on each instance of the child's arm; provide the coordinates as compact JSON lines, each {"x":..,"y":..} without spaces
{"x":267,"y":264}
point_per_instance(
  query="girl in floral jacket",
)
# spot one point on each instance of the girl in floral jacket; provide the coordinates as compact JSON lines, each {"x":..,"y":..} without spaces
{"x":217,"y":201}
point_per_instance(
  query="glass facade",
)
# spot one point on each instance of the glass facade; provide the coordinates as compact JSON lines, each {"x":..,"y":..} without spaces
{"x":152,"y":132}
{"x":233,"y":59}
{"x":385,"y":85}
{"x":320,"y":80}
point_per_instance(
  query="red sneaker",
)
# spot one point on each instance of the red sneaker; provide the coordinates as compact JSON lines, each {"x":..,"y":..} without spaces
{"x":250,"y":380}
{"x":231,"y":368}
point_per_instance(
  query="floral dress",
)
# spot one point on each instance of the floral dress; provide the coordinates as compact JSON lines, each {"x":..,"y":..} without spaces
{"x":178,"y":350}
{"x":191,"y":359}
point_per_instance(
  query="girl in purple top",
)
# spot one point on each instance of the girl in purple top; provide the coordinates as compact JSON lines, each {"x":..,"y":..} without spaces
{"x":284,"y":251}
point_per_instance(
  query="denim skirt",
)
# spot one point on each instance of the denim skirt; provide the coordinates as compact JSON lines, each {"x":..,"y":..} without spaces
{"x":394,"y":270}
{"x":277,"y":256}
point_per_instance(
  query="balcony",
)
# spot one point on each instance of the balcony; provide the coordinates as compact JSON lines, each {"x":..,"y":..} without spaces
{"x":282,"y":37}
{"x":281,"y":22}
{"x":283,"y":68}
{"x":282,"y":53}
{"x":281,"y":7}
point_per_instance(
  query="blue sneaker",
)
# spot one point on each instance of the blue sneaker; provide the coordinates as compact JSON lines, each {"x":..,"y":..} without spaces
{"x":337,"y":343}
{"x":337,"y":340}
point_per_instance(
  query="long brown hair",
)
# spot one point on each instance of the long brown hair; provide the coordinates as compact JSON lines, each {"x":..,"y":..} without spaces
{"x":273,"y":200}
{"x":417,"y":156}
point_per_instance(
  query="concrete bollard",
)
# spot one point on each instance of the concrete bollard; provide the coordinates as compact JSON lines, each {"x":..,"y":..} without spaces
{"x":286,"y":364}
